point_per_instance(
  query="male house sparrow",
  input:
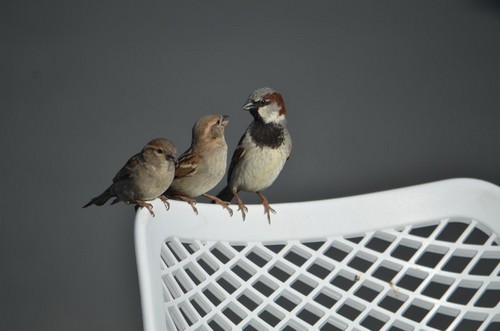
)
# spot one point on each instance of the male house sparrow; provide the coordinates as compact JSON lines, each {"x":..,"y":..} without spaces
{"x":262,"y":150}
{"x":144,"y":177}
{"x":203,"y":165}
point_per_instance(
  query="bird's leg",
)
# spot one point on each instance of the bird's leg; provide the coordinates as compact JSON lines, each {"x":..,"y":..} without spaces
{"x":190,"y":201}
{"x":267,"y":207}
{"x":223,"y":203}
{"x":165,"y":201}
{"x":144,"y":204}
{"x":242,"y":207}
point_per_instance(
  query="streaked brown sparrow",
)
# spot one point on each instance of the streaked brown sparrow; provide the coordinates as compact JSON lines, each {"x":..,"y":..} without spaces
{"x":203,"y":165}
{"x":144,"y":177}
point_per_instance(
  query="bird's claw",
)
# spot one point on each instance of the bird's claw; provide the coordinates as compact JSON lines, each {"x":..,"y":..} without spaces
{"x":194,"y":208}
{"x":150,"y":208}
{"x":243,"y":213}
{"x":165,"y":201}
{"x":143,"y":204}
{"x":190,"y":201}
{"x":224,"y":204}
{"x":243,"y":209}
{"x":267,"y":207}
{"x":229,"y":210}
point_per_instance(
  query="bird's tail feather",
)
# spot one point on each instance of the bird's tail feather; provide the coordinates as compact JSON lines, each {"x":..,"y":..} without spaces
{"x":226,"y":194}
{"x":101,"y":199}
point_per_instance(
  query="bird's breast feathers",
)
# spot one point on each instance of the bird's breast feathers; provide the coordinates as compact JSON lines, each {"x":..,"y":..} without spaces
{"x":259,"y":167}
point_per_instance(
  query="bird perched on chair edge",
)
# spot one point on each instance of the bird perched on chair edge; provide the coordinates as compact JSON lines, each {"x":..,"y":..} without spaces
{"x":262,"y":150}
{"x":144,"y":177}
{"x":203,"y":165}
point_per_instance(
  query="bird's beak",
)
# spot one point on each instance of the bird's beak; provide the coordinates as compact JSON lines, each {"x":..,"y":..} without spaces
{"x":225,"y":120}
{"x":250,"y":105}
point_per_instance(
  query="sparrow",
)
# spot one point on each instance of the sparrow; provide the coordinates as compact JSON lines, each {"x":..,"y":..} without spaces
{"x":262,"y":150}
{"x":144,"y":177}
{"x":203,"y":165}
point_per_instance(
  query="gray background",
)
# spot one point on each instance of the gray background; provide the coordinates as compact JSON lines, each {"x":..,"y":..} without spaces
{"x":379,"y":95}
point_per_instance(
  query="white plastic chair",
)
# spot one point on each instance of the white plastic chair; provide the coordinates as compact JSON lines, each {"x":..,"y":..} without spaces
{"x":422,"y":257}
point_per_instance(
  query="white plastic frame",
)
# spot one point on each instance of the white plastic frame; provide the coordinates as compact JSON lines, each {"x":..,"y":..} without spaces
{"x":302,"y":221}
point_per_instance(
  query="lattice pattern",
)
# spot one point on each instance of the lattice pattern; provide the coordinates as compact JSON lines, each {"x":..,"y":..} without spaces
{"x":441,"y":275}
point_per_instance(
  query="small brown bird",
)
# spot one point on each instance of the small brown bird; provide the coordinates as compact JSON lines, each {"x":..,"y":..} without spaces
{"x":144,"y":177}
{"x":262,"y":151}
{"x":203,"y":165}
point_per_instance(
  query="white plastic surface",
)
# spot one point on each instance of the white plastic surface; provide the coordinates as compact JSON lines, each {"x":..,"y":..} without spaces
{"x":421,"y":257}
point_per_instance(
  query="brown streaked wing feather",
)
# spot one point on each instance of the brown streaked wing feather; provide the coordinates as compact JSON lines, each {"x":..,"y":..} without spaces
{"x":128,"y":168}
{"x":187,"y":165}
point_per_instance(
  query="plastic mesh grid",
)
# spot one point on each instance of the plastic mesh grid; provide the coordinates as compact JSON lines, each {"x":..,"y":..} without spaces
{"x":440,"y":275}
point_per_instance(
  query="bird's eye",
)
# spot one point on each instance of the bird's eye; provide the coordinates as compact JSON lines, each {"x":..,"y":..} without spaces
{"x":159,"y":150}
{"x":261,"y":102}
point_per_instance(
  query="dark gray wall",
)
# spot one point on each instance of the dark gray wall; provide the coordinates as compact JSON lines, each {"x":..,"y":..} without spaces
{"x":379,"y":95}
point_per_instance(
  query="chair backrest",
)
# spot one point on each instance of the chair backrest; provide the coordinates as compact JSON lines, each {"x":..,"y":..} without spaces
{"x":421,"y":257}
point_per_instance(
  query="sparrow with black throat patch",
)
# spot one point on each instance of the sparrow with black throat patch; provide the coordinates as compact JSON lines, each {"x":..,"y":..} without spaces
{"x":144,"y":177}
{"x":262,"y":150}
{"x":203,"y":165}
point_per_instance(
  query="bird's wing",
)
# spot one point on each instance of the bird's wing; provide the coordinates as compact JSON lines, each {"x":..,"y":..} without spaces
{"x":187,"y":164}
{"x":237,"y":155}
{"x":129,"y":168}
